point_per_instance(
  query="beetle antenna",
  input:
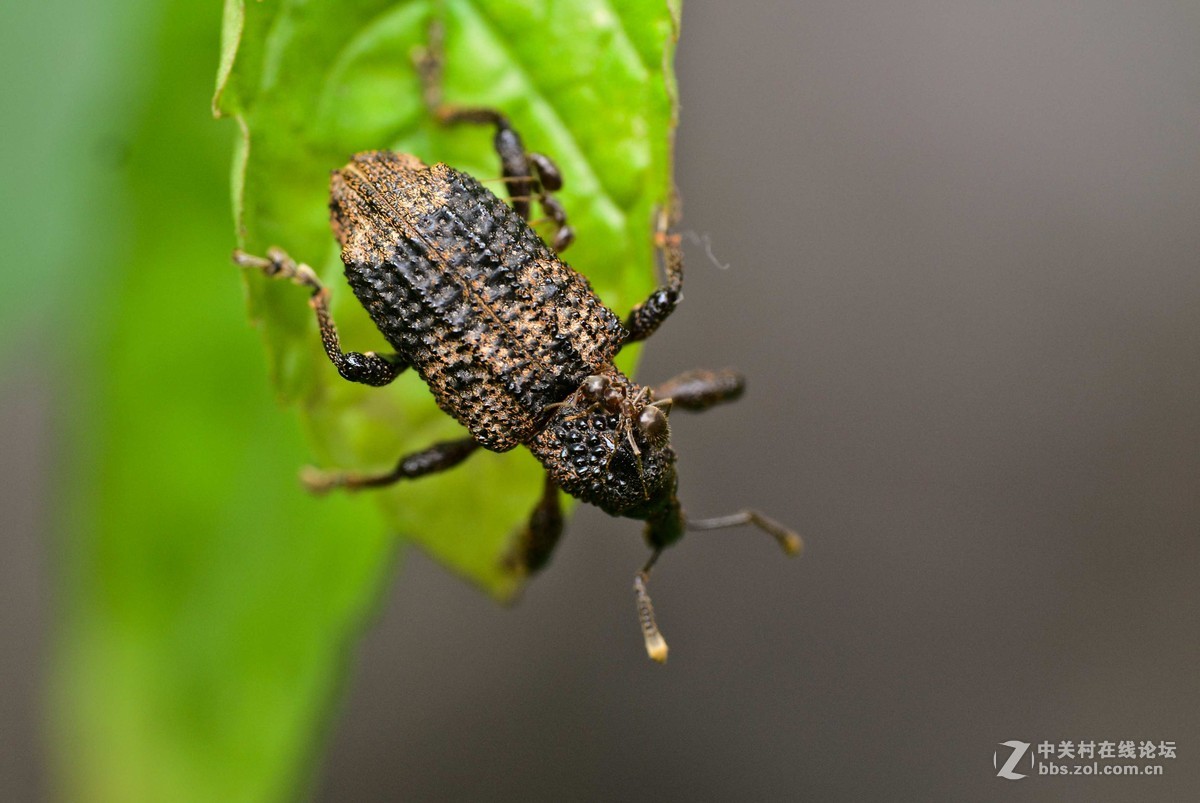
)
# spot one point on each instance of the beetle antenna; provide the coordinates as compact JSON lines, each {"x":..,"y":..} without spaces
{"x":637,"y":455}
{"x":656,"y":645}
{"x":632,"y":443}
{"x":641,"y":469}
{"x":789,"y":541}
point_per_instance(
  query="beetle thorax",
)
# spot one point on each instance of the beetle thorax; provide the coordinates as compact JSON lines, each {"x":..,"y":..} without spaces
{"x":608,"y":444}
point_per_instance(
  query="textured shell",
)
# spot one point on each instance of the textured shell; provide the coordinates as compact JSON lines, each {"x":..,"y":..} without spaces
{"x":468,"y":294}
{"x":589,"y":454}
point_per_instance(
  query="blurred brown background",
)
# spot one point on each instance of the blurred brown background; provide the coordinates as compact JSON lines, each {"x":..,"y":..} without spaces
{"x":963,"y":246}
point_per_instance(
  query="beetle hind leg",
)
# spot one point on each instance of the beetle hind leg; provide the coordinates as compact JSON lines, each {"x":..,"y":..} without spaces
{"x":527,"y":174}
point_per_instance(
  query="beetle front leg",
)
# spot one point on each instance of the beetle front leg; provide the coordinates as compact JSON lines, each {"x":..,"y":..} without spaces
{"x":438,"y":457}
{"x":646,"y":317}
{"x":700,"y":389}
{"x":536,"y":542}
{"x":368,"y":368}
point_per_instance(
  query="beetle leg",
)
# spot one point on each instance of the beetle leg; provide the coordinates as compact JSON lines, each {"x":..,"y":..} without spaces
{"x":514,"y":162}
{"x":564,"y":235}
{"x":536,"y":541}
{"x":701,"y":388}
{"x":527,"y":174}
{"x":368,"y":368}
{"x":646,"y":317}
{"x":438,"y":457}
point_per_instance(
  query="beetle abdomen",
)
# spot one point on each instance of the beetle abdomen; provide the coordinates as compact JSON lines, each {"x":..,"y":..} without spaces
{"x":467,"y":293}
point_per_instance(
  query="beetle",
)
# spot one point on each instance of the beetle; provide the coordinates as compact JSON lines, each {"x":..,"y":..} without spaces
{"x":512,"y":342}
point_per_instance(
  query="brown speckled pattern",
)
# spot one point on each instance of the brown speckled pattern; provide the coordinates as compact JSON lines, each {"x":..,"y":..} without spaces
{"x":467,"y":293}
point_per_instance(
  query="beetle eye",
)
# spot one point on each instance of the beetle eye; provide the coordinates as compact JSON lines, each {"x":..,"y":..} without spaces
{"x":594,"y":387}
{"x":652,"y":423}
{"x":613,"y":398}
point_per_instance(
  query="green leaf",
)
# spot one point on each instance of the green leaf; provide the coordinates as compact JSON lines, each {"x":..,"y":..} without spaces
{"x":311,"y":83}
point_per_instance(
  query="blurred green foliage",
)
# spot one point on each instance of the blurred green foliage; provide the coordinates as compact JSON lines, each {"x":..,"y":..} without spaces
{"x":205,"y":604}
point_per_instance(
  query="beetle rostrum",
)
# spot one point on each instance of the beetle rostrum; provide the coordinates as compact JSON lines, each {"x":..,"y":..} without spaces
{"x":512,"y":342}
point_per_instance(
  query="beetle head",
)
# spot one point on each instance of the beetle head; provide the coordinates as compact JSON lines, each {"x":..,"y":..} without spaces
{"x":608,"y":444}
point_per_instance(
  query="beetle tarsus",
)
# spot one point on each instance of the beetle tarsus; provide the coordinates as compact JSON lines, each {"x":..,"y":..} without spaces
{"x":645,"y":318}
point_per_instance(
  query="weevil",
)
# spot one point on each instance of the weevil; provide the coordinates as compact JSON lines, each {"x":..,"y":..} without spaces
{"x":512,"y":342}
